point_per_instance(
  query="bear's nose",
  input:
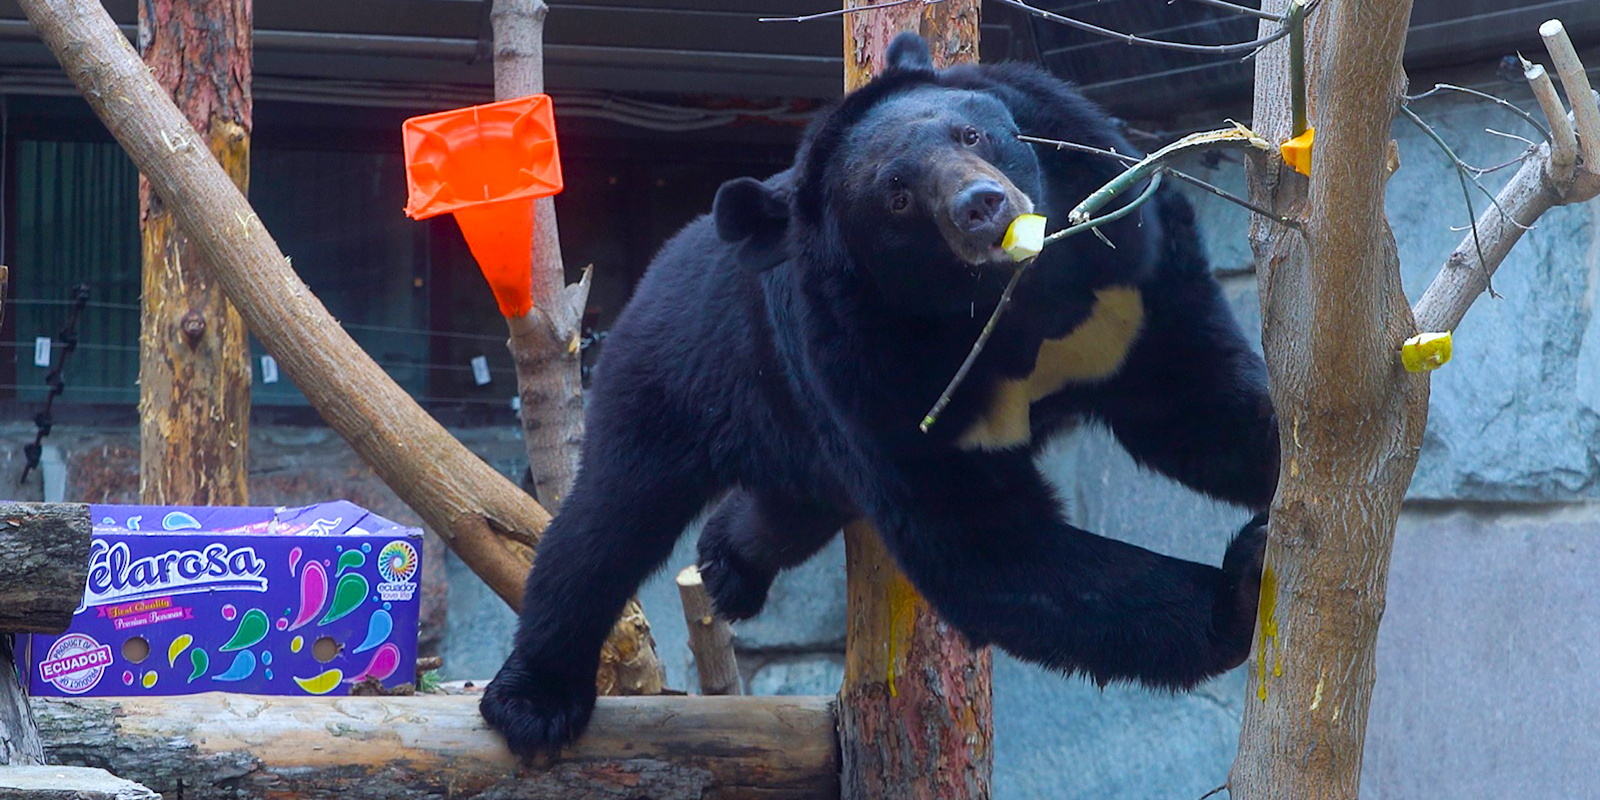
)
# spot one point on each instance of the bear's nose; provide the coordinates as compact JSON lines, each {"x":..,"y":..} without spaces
{"x":979,"y":206}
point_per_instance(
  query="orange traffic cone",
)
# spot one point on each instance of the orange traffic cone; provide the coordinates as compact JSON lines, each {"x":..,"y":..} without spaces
{"x":486,"y":164}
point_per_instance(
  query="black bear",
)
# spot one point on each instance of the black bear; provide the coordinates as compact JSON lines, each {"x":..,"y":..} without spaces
{"x":780,"y":354}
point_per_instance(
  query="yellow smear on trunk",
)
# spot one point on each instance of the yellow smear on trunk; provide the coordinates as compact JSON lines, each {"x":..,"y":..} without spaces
{"x":1267,"y":624}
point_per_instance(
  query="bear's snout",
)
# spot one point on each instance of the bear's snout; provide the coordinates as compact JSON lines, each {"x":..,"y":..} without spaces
{"x":981,"y":209}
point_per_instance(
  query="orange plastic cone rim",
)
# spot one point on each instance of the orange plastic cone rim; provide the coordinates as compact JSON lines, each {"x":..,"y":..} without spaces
{"x":486,"y":164}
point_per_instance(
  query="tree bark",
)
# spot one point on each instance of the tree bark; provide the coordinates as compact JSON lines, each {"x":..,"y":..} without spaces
{"x":490,"y":523}
{"x":1352,"y":418}
{"x":915,"y":711}
{"x":194,"y":359}
{"x":242,"y":747}
{"x":545,"y":348}
{"x":44,"y":563}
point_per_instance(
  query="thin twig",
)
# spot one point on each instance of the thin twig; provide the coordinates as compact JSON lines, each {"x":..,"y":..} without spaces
{"x":839,"y":12}
{"x":1214,"y":792}
{"x":1499,"y":101}
{"x":1466,"y":193}
{"x":1523,"y":139}
{"x":1476,"y":172}
{"x":1296,"y":24}
{"x":1016,"y":277}
{"x":1182,"y":176}
{"x":1482,"y":171}
{"x":1239,"y":9}
{"x":1128,"y":38}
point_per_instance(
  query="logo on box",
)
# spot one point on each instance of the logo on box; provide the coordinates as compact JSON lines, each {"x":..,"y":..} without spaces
{"x":75,"y":663}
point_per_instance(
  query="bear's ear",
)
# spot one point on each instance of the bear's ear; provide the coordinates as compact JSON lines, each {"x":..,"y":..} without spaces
{"x":908,"y":53}
{"x":753,"y":216}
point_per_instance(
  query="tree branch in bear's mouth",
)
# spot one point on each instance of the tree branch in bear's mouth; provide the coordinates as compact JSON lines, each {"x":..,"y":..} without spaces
{"x":1151,"y":167}
{"x":1287,"y":222}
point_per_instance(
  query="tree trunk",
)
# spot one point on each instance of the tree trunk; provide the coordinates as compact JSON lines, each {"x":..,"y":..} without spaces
{"x":490,"y":523}
{"x":1352,"y":418}
{"x":194,"y":359}
{"x":435,"y":747}
{"x":545,"y":342}
{"x":915,"y":711}
{"x":545,"y":348}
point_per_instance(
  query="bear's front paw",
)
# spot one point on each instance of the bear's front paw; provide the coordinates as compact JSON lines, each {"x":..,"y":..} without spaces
{"x":1241,"y":569}
{"x":537,"y":713}
{"x":738,"y":589}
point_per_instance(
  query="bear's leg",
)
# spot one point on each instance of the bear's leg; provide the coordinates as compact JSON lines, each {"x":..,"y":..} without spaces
{"x":750,"y":537}
{"x":619,"y":523}
{"x":981,"y":537}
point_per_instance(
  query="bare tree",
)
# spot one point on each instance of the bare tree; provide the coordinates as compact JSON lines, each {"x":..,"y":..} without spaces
{"x":1352,"y":417}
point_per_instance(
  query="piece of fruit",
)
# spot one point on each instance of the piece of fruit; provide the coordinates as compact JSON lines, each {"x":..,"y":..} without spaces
{"x":1024,"y":238}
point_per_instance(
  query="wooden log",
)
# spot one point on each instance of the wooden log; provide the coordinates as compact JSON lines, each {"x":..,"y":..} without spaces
{"x":68,"y":783}
{"x":710,"y":637}
{"x":245,"y":747}
{"x":44,"y":562}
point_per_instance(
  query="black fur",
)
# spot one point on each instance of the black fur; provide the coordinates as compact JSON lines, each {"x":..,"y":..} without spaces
{"x":786,"y":349}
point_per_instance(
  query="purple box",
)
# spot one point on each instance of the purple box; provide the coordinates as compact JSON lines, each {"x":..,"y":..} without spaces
{"x":186,"y":599}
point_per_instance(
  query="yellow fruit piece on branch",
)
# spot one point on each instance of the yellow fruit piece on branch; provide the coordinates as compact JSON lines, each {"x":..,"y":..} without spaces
{"x":1425,"y":351}
{"x":1024,"y":238}
{"x":1297,"y":151}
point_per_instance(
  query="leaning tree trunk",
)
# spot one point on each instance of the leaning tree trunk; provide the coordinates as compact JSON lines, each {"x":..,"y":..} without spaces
{"x":915,"y":712}
{"x":194,"y":363}
{"x":545,"y":347}
{"x":1351,"y":417}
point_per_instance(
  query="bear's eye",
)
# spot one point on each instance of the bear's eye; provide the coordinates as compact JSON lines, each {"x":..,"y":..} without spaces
{"x":899,"y":201}
{"x":971,"y":136}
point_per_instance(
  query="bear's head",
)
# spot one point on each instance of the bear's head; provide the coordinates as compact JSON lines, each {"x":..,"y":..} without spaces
{"x":911,"y":179}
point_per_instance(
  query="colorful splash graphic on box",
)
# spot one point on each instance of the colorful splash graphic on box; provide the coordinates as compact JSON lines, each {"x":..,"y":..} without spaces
{"x":256,"y":600}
